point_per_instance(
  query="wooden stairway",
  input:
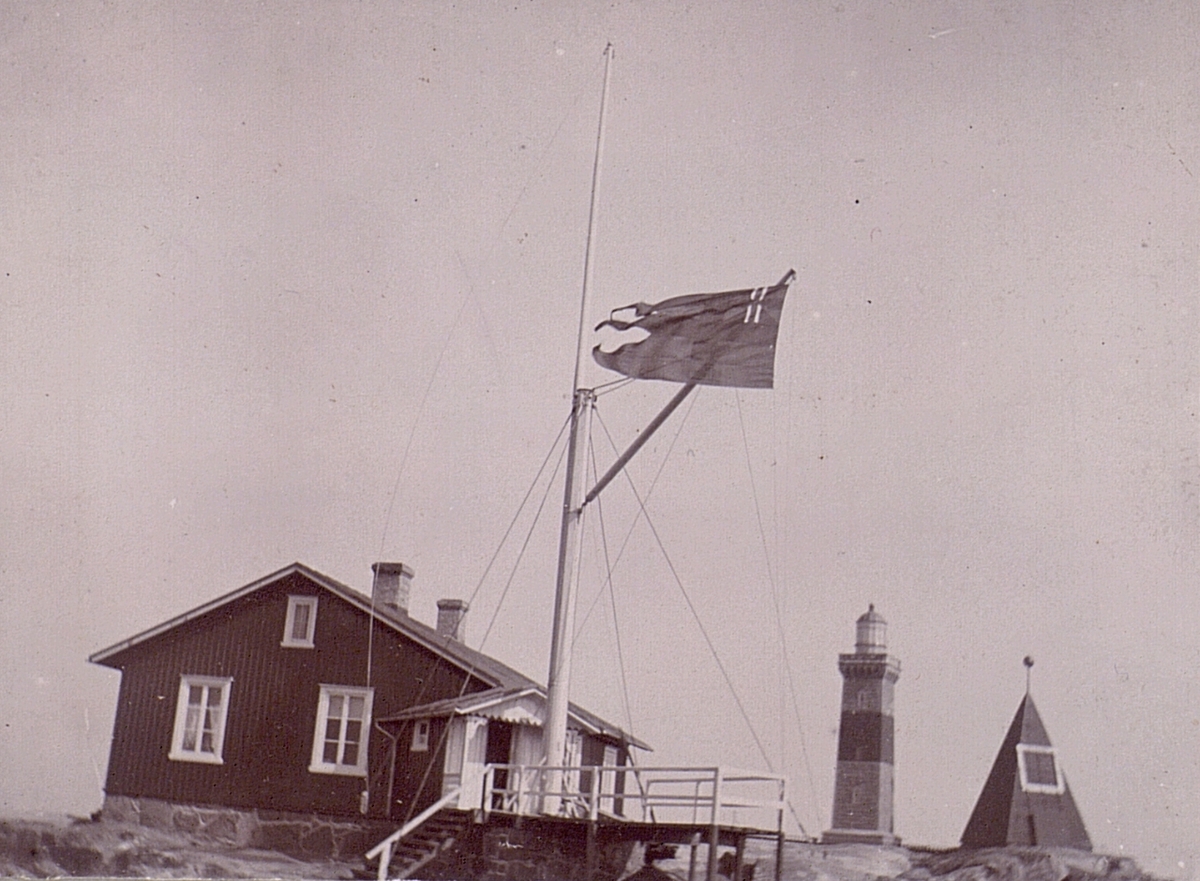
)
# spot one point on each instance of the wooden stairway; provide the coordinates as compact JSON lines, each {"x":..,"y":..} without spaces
{"x":427,"y":842}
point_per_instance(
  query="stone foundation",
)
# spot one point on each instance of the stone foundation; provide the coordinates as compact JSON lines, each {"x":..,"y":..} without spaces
{"x":532,"y":849}
{"x":307,"y":836}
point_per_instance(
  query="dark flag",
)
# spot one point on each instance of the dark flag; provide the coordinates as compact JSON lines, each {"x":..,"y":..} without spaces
{"x":725,"y":339}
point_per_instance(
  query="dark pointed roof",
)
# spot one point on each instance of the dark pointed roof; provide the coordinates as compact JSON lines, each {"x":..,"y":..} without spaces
{"x":1026,"y":800}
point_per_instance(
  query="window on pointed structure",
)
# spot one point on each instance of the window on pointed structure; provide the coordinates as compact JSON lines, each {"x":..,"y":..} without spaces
{"x":340,"y":736}
{"x":200,"y":714}
{"x":1038,"y":769}
{"x":300,"y":623}
{"x":420,"y":736}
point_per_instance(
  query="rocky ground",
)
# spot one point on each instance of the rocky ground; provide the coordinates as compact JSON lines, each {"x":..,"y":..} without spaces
{"x":48,"y":849}
{"x":858,"y":862}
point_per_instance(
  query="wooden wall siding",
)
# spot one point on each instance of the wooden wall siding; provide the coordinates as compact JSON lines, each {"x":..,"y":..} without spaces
{"x":272,"y":705}
{"x":593,"y":754}
{"x":414,"y":790}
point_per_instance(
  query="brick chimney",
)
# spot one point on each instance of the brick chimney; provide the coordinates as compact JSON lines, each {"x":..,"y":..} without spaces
{"x":451,"y":618}
{"x":393,"y":583}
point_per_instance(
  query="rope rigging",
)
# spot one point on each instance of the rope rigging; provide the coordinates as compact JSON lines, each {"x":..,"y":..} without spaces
{"x":637,"y":518}
{"x":696,"y":616}
{"x":440,"y":659}
{"x":787,"y":664}
{"x":608,"y":587}
{"x":608,"y":568}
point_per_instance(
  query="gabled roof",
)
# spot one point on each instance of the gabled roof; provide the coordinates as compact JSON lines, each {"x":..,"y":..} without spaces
{"x":521,"y":705}
{"x":1026,"y":800}
{"x":476,"y":663}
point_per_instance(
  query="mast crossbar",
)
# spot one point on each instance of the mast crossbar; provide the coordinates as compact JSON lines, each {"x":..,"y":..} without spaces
{"x":640,"y":441}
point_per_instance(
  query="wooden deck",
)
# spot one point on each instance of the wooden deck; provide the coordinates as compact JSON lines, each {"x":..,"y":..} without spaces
{"x":595,"y":810}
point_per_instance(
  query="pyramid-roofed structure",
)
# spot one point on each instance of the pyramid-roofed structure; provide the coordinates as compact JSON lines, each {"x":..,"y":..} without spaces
{"x":1026,"y":800}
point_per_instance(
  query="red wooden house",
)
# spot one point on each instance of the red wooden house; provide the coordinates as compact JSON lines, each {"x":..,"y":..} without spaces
{"x":280,"y":715}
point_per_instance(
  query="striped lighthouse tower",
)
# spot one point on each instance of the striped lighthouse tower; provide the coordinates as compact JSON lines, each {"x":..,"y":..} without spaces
{"x":862,"y":798}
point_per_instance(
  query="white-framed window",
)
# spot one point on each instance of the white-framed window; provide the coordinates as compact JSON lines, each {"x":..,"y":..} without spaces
{"x":1039,"y":770}
{"x":340,"y":737}
{"x":420,"y":738}
{"x":200,"y":715}
{"x":301,"y":622}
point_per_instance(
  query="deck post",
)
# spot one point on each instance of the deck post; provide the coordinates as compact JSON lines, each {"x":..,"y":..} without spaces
{"x":590,"y":869}
{"x":779,"y":836}
{"x":593,"y":819}
{"x":488,"y":782}
{"x":739,"y":858}
{"x":694,"y":844}
{"x":594,"y":796}
{"x":714,"y":832}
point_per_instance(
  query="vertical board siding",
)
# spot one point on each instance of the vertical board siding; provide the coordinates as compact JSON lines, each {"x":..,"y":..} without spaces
{"x":419,"y":775}
{"x":272,"y":706}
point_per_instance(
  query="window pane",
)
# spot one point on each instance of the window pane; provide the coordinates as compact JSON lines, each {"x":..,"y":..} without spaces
{"x":214,"y":695}
{"x":356,"y":707}
{"x":212,"y":719}
{"x":335,"y":706}
{"x":333,"y":734}
{"x":191,"y":725}
{"x":1039,"y":769}
{"x":300,"y":621}
{"x":195,"y":695}
{"x":350,"y":756}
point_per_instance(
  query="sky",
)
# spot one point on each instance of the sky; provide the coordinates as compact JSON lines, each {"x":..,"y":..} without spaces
{"x":301,"y":281}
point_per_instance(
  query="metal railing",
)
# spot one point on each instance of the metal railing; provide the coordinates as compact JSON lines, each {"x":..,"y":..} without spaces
{"x":669,"y":795}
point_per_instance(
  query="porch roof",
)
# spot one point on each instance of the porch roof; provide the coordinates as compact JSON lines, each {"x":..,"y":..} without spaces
{"x":522,"y":705}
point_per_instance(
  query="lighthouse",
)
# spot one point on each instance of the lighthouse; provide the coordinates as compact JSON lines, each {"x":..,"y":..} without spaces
{"x":862,"y":798}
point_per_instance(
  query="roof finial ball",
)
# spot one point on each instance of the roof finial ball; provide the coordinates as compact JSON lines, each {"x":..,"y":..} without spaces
{"x":1028,"y":662}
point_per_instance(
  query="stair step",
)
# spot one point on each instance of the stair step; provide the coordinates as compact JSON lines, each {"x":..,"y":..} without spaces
{"x":452,"y":823}
{"x":424,"y":843}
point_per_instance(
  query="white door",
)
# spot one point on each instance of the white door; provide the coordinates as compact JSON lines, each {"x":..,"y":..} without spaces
{"x":455,"y":743}
{"x":466,"y":746}
{"x":474,"y":759}
{"x":526,"y":752}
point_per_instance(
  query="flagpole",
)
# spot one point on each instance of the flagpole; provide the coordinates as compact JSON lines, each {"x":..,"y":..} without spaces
{"x":581,"y":347}
{"x":570,"y":555}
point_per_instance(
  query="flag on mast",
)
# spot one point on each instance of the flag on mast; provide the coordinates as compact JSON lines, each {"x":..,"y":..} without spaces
{"x":725,"y":339}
